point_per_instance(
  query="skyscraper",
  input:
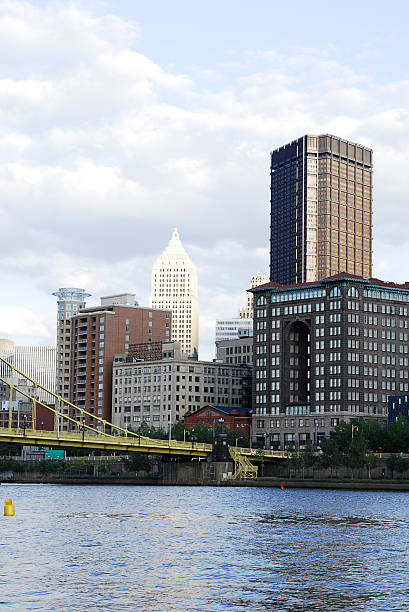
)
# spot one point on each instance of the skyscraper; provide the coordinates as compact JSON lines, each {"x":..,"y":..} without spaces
{"x":70,"y":300}
{"x":321,"y":210}
{"x":174,"y":287}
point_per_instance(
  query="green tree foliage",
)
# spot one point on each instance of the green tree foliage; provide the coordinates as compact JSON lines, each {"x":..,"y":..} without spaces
{"x":374,"y":433}
{"x":202,"y":433}
{"x":331,"y":456}
{"x":7,"y":450}
{"x":397,"y":463}
{"x":370,"y":462}
{"x":397,"y":436}
{"x":136,"y":462}
{"x":179,"y":431}
{"x":304,"y":459}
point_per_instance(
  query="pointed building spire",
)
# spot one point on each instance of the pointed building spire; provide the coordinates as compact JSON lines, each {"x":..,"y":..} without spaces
{"x":174,"y":287}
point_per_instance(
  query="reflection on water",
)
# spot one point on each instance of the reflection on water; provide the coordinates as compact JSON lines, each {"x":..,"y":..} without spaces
{"x":177,"y":548}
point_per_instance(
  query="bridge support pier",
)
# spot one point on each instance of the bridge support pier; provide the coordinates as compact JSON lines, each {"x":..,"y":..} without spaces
{"x":196,"y":472}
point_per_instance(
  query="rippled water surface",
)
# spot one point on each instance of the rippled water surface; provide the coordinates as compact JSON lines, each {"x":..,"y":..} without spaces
{"x":193,"y":548}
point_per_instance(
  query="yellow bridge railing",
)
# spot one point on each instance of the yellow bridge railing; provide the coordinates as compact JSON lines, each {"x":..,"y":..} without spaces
{"x":102,"y":434}
{"x":243,"y":469}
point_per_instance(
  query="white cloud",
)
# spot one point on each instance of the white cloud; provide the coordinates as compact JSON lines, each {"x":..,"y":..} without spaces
{"x":18,"y":323}
{"x":103,"y":151}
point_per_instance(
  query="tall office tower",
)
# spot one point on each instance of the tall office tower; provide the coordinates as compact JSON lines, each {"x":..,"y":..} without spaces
{"x":174,"y":287}
{"x":37,"y":362}
{"x":321,"y":210}
{"x":70,"y":300}
{"x":247,"y":312}
{"x":100,"y":332}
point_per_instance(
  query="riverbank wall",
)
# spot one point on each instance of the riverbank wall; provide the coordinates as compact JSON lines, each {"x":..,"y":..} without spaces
{"x":217,"y":474}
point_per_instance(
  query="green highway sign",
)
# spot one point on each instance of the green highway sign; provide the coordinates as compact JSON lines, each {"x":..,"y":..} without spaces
{"x":54,"y":454}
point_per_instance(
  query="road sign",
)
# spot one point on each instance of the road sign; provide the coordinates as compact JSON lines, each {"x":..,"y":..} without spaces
{"x":54,"y":454}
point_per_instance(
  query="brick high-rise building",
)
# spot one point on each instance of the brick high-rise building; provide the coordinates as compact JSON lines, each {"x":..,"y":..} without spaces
{"x":321,"y":210}
{"x":70,"y":300}
{"x":97,"y":334}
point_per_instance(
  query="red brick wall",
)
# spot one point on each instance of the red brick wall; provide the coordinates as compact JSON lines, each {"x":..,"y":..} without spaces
{"x":115,"y":331}
{"x":208,"y":415}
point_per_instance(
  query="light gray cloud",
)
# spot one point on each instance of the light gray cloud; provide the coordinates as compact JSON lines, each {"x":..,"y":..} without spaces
{"x":103,"y":151}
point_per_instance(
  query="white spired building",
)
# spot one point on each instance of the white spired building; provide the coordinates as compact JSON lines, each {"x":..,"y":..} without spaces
{"x":174,"y":287}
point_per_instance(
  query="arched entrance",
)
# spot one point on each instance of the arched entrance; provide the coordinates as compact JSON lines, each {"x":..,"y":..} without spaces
{"x":296,"y":386}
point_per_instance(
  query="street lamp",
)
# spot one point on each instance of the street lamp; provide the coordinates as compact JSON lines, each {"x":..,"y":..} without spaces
{"x":170,"y":432}
{"x":83,"y":428}
{"x":220,"y":421}
{"x":42,"y":425}
{"x":239,"y":438}
{"x":193,"y":438}
{"x":24,"y":424}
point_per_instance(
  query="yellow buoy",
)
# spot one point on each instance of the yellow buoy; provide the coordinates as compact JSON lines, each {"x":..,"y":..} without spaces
{"x":9,"y":508}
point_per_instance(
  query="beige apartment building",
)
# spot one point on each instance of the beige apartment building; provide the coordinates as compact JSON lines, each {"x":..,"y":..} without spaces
{"x":161,"y":391}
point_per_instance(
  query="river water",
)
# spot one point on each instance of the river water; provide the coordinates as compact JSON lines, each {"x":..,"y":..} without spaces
{"x":201,"y":548}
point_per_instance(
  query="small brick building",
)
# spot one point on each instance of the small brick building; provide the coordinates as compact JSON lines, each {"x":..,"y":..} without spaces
{"x":214,"y":416}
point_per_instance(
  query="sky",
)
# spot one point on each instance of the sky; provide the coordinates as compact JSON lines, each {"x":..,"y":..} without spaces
{"x":122,"y":120}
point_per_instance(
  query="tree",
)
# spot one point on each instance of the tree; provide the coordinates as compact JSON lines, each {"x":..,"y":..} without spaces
{"x":331,"y":456}
{"x":260,"y":454}
{"x":7,"y":450}
{"x":136,"y":462}
{"x":401,"y":464}
{"x":397,"y":436}
{"x":374,"y":433}
{"x":355,"y":453}
{"x":236,"y":434}
{"x":370,"y":462}
{"x":202,"y":433}
{"x":179,"y":431}
{"x":310,"y":458}
{"x":396,"y":463}
{"x":292,"y":461}
{"x":391,"y":463}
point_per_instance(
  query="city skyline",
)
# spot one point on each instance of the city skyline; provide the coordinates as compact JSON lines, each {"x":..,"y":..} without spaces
{"x":186,"y":136}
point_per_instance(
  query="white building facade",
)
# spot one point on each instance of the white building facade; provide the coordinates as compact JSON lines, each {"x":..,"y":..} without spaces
{"x":37,"y":362}
{"x":175,"y":288}
{"x":230,"y":329}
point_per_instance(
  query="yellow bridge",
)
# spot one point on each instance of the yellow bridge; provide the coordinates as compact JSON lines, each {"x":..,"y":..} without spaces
{"x":105,"y":435}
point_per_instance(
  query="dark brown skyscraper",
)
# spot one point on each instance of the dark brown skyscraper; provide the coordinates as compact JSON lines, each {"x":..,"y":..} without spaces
{"x":321,"y":210}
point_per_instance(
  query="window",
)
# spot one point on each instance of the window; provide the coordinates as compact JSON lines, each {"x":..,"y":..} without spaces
{"x":353,"y":292}
{"x":335,"y":292}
